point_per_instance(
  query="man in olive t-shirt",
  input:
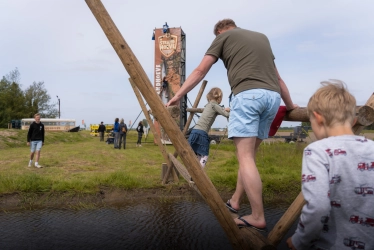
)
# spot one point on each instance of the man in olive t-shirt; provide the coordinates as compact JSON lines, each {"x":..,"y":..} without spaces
{"x":256,"y":88}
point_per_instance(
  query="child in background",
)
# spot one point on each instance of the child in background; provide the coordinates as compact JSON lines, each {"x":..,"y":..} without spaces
{"x":336,"y":177}
{"x":199,"y":139}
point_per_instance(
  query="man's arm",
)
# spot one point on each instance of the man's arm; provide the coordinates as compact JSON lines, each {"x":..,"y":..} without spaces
{"x":194,"y":78}
{"x":285,"y":94}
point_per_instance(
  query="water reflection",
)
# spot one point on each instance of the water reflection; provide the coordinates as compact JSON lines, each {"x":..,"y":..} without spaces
{"x":156,"y":225}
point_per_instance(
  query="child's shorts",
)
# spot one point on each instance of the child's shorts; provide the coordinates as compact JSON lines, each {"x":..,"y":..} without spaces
{"x":252,"y":112}
{"x":35,"y":145}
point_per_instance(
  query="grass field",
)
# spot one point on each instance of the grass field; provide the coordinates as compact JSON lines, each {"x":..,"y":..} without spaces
{"x":81,"y":164}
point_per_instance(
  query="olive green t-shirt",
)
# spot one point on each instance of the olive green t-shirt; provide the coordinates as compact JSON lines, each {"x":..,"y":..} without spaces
{"x":248,"y":58}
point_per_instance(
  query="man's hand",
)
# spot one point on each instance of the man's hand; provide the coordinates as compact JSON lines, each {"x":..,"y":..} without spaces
{"x":173,"y":101}
{"x":294,"y":106}
{"x":227,"y":109}
{"x":28,"y":143}
{"x":290,"y":244}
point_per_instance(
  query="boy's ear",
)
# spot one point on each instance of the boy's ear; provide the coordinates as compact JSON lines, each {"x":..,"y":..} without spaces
{"x":319,"y":118}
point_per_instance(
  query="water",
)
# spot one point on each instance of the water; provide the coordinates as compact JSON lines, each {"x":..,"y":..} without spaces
{"x":155,"y":225}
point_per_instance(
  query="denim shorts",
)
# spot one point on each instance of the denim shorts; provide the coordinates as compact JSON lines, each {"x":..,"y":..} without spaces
{"x":252,"y":112}
{"x":35,"y":145}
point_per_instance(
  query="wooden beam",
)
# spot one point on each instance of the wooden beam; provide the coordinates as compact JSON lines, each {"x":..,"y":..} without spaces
{"x":365,"y":114}
{"x":186,"y":126}
{"x":153,"y":129}
{"x":188,"y":157}
{"x":286,"y":221}
{"x":357,"y":128}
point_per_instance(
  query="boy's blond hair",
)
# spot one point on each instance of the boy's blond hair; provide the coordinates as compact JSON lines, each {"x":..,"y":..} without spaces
{"x":223,"y":24}
{"x":333,"y":102}
{"x":37,"y":114}
{"x":214,"y":94}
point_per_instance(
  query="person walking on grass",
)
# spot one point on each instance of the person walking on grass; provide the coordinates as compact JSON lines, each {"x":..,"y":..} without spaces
{"x":101,"y":131}
{"x":122,"y":134}
{"x":140,"y":131}
{"x":116,"y":132}
{"x":35,"y":139}
{"x":256,"y":92}
{"x":335,"y":177}
{"x":198,"y":138}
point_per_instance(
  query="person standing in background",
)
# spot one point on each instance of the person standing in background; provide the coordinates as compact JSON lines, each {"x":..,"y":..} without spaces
{"x":101,"y":131}
{"x":140,"y":131}
{"x":35,"y":139}
{"x":116,"y":132}
{"x":122,"y":134}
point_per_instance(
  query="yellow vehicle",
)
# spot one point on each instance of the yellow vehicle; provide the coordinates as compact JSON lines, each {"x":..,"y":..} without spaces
{"x":95,"y":127}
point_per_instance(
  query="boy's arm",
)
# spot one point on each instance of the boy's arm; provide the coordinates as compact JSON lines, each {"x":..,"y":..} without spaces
{"x":29,"y":134}
{"x":43,"y":134}
{"x":315,"y":188}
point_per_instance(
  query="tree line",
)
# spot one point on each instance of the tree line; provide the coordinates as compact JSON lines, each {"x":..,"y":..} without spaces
{"x":16,"y":103}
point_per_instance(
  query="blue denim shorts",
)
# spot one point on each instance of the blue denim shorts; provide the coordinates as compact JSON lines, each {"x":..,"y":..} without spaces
{"x":252,"y":112}
{"x":35,"y":145}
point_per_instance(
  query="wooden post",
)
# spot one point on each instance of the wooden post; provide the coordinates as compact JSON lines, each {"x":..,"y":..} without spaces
{"x":139,"y":77}
{"x":365,"y":114}
{"x":357,"y":128}
{"x":286,"y":221}
{"x":293,"y":212}
{"x":153,"y":129}
{"x":189,"y":120}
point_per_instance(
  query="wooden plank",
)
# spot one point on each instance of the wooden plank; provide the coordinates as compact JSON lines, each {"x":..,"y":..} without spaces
{"x":188,"y":157}
{"x":184,"y":173}
{"x":153,"y":129}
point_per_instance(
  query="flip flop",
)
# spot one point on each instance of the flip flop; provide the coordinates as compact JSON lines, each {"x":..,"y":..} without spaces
{"x":228,"y":205}
{"x":246,"y":224}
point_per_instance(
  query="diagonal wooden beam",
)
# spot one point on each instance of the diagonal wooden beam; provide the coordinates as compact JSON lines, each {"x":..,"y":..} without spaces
{"x":153,"y":129}
{"x":138,"y":75}
{"x":186,"y":126}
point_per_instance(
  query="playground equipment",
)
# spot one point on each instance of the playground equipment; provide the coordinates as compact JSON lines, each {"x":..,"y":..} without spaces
{"x":244,"y":238}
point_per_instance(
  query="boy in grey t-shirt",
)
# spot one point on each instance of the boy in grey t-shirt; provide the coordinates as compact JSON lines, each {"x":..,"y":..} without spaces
{"x":337,"y":177}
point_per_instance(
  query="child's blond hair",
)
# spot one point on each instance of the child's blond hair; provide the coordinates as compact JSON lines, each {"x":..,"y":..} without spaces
{"x":214,"y":94}
{"x":333,"y":102}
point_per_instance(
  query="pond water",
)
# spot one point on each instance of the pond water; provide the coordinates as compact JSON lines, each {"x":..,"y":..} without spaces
{"x":176,"y":224}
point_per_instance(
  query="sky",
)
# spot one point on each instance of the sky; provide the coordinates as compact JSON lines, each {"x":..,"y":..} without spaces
{"x":60,"y":43}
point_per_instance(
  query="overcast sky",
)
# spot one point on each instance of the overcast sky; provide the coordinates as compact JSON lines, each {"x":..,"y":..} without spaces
{"x":61,"y":43}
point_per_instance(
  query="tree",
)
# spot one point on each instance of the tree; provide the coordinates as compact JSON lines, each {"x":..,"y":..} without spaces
{"x":37,"y":101}
{"x":12,"y":101}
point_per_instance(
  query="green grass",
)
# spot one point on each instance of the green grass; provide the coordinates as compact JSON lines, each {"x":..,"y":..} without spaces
{"x":81,"y":164}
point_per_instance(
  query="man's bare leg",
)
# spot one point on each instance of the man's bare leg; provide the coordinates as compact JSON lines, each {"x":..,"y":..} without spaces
{"x":249,"y":181}
{"x":239,"y":191}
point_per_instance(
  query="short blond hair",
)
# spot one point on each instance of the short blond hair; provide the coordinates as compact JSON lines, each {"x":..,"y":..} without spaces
{"x":214,"y":94}
{"x":37,"y":114}
{"x":223,"y":24}
{"x":333,"y":102}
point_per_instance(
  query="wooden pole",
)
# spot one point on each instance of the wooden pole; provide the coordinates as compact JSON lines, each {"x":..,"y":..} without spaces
{"x":188,"y":157}
{"x":189,"y":120}
{"x":365,"y":114}
{"x":153,"y":129}
{"x":293,"y":212}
